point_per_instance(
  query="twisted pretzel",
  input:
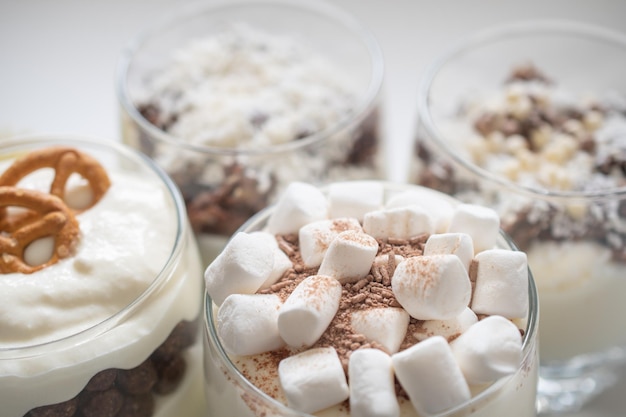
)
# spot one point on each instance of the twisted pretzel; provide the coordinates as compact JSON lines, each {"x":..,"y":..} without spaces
{"x":47,"y":216}
{"x":65,"y":161}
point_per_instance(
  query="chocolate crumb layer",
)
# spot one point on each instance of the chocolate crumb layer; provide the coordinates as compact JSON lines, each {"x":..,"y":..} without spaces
{"x":373,"y":291}
{"x":130,"y":392}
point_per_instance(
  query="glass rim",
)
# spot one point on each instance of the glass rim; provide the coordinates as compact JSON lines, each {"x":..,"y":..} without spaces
{"x":26,"y":142}
{"x":557,"y":27}
{"x":320,"y":8}
{"x":528,"y":340}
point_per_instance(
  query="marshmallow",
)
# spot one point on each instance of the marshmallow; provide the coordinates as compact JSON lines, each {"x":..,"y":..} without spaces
{"x":314,"y":238}
{"x":354,"y":199}
{"x":434,"y":287}
{"x":349,"y":256}
{"x":282,"y":263}
{"x":244,"y":265}
{"x":489,"y":350}
{"x":459,"y":244}
{"x":400,"y":223}
{"x":372,"y":388}
{"x":247,"y":323}
{"x":439,"y":207}
{"x":386,"y":326}
{"x":430,"y":376}
{"x":481,"y":223}
{"x":447,"y":328}
{"x":313,"y":380}
{"x":300,"y":204}
{"x":308,"y":310}
{"x":501,"y":284}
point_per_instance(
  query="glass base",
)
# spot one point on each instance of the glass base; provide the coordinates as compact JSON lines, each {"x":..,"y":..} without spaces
{"x":566,"y":387}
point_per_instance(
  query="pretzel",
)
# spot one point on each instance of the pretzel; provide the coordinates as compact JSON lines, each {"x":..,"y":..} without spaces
{"x":47,"y":216}
{"x":65,"y":161}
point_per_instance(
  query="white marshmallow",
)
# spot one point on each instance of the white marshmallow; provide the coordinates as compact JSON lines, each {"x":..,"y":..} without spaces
{"x":314,"y":238}
{"x":459,"y":244}
{"x":354,"y":199}
{"x":430,"y":376}
{"x":247,"y":323}
{"x":372,"y":390}
{"x":281,"y":261}
{"x":400,"y":223}
{"x":349,"y":256}
{"x":281,"y":264}
{"x":447,"y":328}
{"x":308,"y":310}
{"x":489,"y":350}
{"x":300,"y":204}
{"x":242,"y":267}
{"x":501,"y":284}
{"x":439,"y":208}
{"x":434,"y":287}
{"x":386,"y":326}
{"x":481,"y":223}
{"x":313,"y":380}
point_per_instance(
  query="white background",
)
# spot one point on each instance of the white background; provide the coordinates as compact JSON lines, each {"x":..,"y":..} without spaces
{"x":58,"y":57}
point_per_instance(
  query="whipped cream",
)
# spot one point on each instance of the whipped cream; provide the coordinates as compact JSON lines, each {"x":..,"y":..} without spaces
{"x":61,"y":325}
{"x":391,"y":305}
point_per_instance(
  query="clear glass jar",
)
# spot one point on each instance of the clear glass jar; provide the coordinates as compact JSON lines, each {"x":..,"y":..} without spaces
{"x":113,"y":329}
{"x":543,"y":148}
{"x":310,"y":138}
{"x":229,"y":392}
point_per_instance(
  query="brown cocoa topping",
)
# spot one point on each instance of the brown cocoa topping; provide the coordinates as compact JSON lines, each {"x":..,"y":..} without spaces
{"x":373,"y":291}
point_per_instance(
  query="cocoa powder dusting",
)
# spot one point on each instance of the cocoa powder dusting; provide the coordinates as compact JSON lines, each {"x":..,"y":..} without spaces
{"x":373,"y":291}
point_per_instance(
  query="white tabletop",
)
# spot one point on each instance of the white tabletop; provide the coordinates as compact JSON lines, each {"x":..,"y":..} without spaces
{"x":57,"y":64}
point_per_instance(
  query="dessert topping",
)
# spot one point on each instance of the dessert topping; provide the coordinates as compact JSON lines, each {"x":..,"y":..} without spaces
{"x":47,"y":216}
{"x":44,"y":229}
{"x":65,"y":162}
{"x":379,"y":300}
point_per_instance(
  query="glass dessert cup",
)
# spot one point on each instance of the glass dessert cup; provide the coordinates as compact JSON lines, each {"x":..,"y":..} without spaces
{"x":230,"y":392}
{"x":224,"y":184}
{"x":137,"y":357}
{"x":560,"y":195}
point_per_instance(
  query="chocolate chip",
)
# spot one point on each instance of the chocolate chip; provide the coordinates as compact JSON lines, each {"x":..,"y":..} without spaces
{"x":138,"y":380}
{"x":102,"y":380}
{"x":100,"y":403}
{"x":170,"y":374}
{"x":137,"y":406}
{"x":183,"y":336}
{"x":65,"y":409}
{"x":527,"y":72}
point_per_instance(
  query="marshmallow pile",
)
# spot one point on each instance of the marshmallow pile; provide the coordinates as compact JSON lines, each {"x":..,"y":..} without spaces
{"x":339,"y":234}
